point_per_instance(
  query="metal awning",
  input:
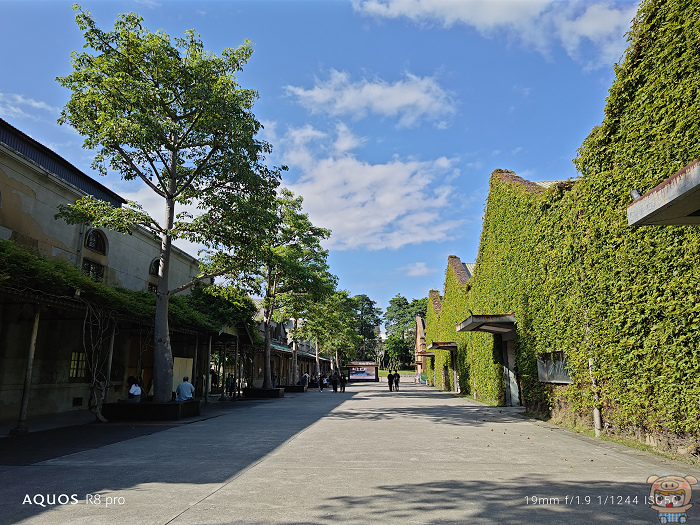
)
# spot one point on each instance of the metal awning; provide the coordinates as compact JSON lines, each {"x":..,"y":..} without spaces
{"x":452,"y":346}
{"x":675,"y":201}
{"x":494,"y":324}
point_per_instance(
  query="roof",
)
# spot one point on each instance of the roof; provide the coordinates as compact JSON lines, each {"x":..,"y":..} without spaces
{"x":54,"y":163}
{"x":463,"y":272}
{"x":494,"y":324}
{"x":538,"y":186}
{"x":675,"y":201}
{"x":436,"y":300}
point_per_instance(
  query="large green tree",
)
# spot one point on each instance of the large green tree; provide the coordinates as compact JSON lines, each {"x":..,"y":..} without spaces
{"x":398,"y":352}
{"x":171,"y":115}
{"x":368,"y":317}
{"x":331,"y":323}
{"x":400,"y":316}
{"x":293,"y":264}
{"x":299,"y":307}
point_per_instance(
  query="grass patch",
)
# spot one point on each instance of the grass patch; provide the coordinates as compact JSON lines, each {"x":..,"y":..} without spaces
{"x":385,"y":373}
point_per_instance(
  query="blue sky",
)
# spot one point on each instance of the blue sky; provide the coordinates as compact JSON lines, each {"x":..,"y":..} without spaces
{"x":391,"y":114}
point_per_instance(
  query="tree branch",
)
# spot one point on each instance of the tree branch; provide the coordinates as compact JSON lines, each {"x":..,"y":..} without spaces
{"x":138,"y":171}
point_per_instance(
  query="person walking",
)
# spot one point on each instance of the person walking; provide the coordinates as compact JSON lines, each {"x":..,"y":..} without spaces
{"x":397,"y":378}
{"x":390,"y":380}
{"x":343,"y":380}
{"x":230,"y":381}
{"x":335,"y":378}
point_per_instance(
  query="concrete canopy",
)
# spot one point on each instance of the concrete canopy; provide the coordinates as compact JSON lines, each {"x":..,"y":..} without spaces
{"x":442,"y":346}
{"x":494,"y":324}
{"x":675,"y":201}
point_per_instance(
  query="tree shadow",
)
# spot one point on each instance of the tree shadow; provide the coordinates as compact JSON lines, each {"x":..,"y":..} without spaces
{"x":518,"y":500}
{"x":89,"y":459}
{"x":444,"y":414}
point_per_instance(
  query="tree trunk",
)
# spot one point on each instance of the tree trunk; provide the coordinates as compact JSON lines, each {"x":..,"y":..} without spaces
{"x":162,"y":351}
{"x":267,"y":319}
{"x":267,"y":372}
{"x":295,"y":347}
{"x":318,"y":362}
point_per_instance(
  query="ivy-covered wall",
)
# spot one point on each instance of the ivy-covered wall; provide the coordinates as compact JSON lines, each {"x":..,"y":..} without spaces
{"x":563,"y":259}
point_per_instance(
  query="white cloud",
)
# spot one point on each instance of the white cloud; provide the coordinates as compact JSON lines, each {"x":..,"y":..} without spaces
{"x":600,"y":24}
{"x":346,"y":140}
{"x":418,"y":269}
{"x":373,"y":206}
{"x":14,"y":105}
{"x":150,"y":4}
{"x":539,"y":24}
{"x":411,"y":100}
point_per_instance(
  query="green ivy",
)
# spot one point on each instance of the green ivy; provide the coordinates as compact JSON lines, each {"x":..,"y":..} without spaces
{"x":22,"y":270}
{"x":577,"y":277}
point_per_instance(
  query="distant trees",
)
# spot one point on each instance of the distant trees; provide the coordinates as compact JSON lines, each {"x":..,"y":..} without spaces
{"x":400,"y":316}
{"x":400,"y":324}
{"x":398,"y":353}
{"x":332,"y":325}
{"x":368,"y":319}
{"x":293,"y":266}
{"x":171,"y":115}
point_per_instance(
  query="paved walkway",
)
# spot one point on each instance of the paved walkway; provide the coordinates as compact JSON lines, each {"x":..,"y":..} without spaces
{"x":366,"y":456}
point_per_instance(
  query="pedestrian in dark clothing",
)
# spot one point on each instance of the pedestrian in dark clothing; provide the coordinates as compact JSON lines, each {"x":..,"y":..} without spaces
{"x":335,"y":378}
{"x":390,"y":379}
{"x":343,"y":380}
{"x":230,"y":382}
{"x":397,"y":378}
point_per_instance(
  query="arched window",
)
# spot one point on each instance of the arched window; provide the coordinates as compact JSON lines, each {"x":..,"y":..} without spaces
{"x":153,"y":268}
{"x":95,"y":240}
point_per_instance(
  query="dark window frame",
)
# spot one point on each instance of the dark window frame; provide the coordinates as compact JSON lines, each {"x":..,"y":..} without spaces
{"x":78,"y":367}
{"x":93,"y":269}
{"x":96,"y":241}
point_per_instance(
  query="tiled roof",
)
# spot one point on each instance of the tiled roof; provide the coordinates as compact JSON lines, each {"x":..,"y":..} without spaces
{"x":54,"y":163}
{"x":534,"y":186}
{"x":436,"y":300}
{"x":463,"y":271}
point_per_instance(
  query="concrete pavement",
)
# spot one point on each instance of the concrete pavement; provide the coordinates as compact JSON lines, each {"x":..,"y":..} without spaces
{"x":416,"y":456}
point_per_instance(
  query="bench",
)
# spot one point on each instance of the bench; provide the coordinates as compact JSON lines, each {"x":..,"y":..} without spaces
{"x":170,"y":411}
{"x":294,"y":388}
{"x":263,"y":393}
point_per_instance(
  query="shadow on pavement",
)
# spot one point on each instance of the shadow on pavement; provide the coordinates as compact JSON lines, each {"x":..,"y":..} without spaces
{"x":518,"y":500}
{"x":445,"y":414}
{"x":122,"y":456}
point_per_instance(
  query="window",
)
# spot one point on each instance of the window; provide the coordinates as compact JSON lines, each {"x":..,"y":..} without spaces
{"x":93,"y":269}
{"x":96,"y":241}
{"x":153,"y":268}
{"x":552,"y":367}
{"x":77,"y":366}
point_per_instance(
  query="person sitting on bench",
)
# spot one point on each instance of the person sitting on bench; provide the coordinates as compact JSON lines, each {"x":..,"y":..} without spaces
{"x":185,"y":390}
{"x":134,"y":395}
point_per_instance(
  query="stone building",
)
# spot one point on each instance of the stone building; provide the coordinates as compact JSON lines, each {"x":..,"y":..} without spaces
{"x":34,"y":181}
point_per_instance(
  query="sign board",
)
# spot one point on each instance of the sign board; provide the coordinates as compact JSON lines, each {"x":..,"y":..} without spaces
{"x":363,"y":371}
